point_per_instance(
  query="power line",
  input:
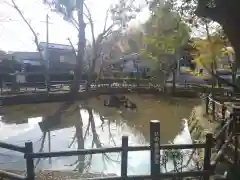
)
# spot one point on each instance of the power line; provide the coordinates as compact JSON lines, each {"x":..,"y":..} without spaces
{"x":19,"y":20}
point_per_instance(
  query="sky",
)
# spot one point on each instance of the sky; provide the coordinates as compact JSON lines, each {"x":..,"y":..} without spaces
{"x":16,"y":36}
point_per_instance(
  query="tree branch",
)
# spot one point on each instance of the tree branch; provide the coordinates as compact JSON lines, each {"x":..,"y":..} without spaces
{"x":75,"y":23}
{"x":96,"y":42}
{"x":74,"y":51}
{"x":89,"y":17}
{"x":106,"y":18}
{"x":32,"y":30}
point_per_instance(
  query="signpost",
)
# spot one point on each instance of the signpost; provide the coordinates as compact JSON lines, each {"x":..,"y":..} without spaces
{"x":155,"y":148}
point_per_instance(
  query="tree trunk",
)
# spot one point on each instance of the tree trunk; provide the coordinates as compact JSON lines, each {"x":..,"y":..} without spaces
{"x":80,"y":52}
{"x":232,"y":31}
{"x":80,"y":143}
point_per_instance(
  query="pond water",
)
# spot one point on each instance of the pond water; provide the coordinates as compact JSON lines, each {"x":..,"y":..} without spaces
{"x":59,"y":126}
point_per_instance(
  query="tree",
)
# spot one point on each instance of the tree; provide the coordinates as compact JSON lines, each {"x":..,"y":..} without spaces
{"x":120,"y":13}
{"x":226,"y":13}
{"x":209,"y":49}
{"x":135,"y":38}
{"x":165,"y":33}
{"x":36,"y":41}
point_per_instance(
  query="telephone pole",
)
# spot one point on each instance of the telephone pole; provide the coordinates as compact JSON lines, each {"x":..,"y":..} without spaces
{"x":47,"y":54}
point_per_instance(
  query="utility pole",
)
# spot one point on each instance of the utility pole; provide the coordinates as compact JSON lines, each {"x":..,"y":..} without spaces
{"x":47,"y":54}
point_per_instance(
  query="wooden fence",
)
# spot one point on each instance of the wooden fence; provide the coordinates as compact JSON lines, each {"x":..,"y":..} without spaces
{"x":218,"y":109}
{"x":226,"y":110}
{"x":154,"y":149}
{"x":109,"y":84}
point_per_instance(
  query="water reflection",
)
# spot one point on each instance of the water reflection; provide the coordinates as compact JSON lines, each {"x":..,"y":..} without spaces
{"x":74,"y":126}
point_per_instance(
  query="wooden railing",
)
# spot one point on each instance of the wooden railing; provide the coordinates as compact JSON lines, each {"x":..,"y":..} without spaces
{"x":10,"y":88}
{"x":154,"y":149}
{"x":226,"y":140}
{"x":217,"y":109}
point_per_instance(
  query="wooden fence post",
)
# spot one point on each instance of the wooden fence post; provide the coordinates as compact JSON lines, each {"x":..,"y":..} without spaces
{"x":155,"y":149}
{"x":207,"y":105}
{"x":213,"y":110}
{"x":223,"y":111}
{"x":174,"y":82}
{"x":124,"y":157}
{"x":30,"y":162}
{"x":222,"y":137}
{"x":207,"y":155}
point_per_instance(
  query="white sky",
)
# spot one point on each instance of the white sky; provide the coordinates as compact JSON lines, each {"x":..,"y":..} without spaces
{"x":16,"y":36}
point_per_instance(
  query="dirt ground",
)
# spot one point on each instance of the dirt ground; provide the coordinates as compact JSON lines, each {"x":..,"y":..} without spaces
{"x":60,"y":175}
{"x":205,"y":121}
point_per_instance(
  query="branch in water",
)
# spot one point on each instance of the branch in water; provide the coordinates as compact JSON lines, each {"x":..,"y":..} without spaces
{"x":96,"y":138}
{"x":73,"y":140}
{"x":41,"y":147}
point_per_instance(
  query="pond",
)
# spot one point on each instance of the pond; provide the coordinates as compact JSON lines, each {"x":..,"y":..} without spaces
{"x":62,"y":126}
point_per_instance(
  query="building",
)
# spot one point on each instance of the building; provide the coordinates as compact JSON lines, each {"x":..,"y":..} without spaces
{"x":129,"y":65}
{"x":61,"y":61}
{"x":61,"y":57}
{"x":24,"y":58}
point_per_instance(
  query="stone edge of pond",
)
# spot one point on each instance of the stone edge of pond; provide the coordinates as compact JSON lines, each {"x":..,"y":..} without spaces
{"x":63,"y":175}
{"x":199,"y":125}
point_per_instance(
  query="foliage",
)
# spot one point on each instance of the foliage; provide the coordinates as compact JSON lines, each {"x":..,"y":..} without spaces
{"x":212,"y":40}
{"x":226,"y":13}
{"x":208,"y":50}
{"x":124,"y":11}
{"x":135,"y":39}
{"x":165,"y":33}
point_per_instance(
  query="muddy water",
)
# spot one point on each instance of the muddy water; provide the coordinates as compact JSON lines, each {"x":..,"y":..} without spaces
{"x":55,"y":127}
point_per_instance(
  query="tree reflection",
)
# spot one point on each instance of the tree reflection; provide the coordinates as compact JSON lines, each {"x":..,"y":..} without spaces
{"x":96,"y":140}
{"x":50,"y":123}
{"x":84,"y":128}
{"x":85,"y":163}
{"x":80,"y":143}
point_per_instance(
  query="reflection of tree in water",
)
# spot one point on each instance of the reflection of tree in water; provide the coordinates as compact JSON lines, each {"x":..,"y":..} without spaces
{"x":86,"y":163}
{"x":83,"y":162}
{"x":51,"y":120}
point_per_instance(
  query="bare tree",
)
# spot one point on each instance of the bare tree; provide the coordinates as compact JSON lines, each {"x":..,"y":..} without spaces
{"x":121,"y":13}
{"x":36,"y":41}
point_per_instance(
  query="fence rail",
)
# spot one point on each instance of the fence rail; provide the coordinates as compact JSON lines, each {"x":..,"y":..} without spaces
{"x":218,"y":110}
{"x":155,"y":156}
{"x":226,"y":140}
